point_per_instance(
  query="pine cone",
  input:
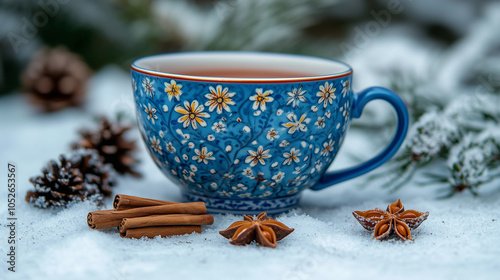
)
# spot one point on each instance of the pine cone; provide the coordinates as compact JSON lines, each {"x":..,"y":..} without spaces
{"x":109,"y":141}
{"x":79,"y":178}
{"x":56,"y":79}
{"x":95,"y":171}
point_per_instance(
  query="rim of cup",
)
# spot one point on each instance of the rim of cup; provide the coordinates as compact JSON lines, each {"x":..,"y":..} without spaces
{"x":178,"y":66}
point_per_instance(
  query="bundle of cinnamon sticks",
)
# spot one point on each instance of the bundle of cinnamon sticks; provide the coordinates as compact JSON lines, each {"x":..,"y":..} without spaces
{"x":138,"y":217}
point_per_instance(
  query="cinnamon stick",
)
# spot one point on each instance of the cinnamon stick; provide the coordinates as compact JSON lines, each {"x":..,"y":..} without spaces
{"x":124,"y":202}
{"x":166,"y":220}
{"x":112,"y":218}
{"x":92,"y":215}
{"x":164,"y":231}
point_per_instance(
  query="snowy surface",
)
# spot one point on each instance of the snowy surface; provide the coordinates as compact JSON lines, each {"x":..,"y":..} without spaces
{"x":459,"y":240}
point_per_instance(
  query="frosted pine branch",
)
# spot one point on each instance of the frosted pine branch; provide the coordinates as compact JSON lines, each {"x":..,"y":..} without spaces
{"x":432,"y":134}
{"x":470,"y":160}
{"x":466,"y":133}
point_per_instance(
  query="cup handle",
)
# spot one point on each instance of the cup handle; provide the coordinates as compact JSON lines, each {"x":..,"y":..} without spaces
{"x":330,"y":178}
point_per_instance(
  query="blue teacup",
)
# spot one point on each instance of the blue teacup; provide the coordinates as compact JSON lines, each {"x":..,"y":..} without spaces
{"x":248,"y":132}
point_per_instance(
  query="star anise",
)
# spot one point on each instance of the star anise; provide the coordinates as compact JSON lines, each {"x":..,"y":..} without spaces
{"x":394,"y":220}
{"x":265,"y":230}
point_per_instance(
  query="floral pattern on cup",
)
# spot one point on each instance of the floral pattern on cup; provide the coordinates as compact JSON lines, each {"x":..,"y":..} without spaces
{"x":242,"y":140}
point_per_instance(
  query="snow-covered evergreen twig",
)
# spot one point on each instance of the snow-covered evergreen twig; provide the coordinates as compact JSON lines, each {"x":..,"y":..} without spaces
{"x":470,"y":160}
{"x":435,"y":135}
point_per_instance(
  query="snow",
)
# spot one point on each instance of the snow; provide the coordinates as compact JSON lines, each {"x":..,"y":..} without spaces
{"x":459,"y":240}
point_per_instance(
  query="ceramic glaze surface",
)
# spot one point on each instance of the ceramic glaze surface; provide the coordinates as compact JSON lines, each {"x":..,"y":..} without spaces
{"x":246,"y":146}
{"x":242,"y":140}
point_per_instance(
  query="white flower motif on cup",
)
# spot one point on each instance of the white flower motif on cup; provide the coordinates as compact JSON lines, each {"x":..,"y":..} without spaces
{"x":248,"y":172}
{"x":260,"y":177}
{"x":279,"y":112}
{"x":292,"y":191}
{"x":219,"y":99}
{"x":203,"y":155}
{"x":258,"y":156}
{"x":173,"y":90}
{"x":266,"y":194}
{"x":225,"y":193}
{"x":161,"y":133}
{"x":192,"y":114}
{"x":134,"y":85}
{"x":187,"y":176}
{"x":326,"y":94}
{"x":296,"y":124}
{"x":318,"y":164}
{"x":298,"y":169}
{"x":328,"y":147}
{"x":183,"y":135}
{"x":296,"y":96}
{"x":303,"y":177}
{"x":151,"y":113}
{"x":279,"y":176}
{"x":246,"y":129}
{"x":345,"y":87}
{"x":218,"y":127}
{"x":328,"y":114}
{"x":229,"y":148}
{"x":210,"y":137}
{"x":191,"y":145}
{"x":272,"y":134}
{"x":213,"y":185}
{"x":345,"y":110}
{"x":284,"y":143}
{"x":244,"y":195}
{"x":165,"y":108}
{"x":320,"y":123}
{"x":193,"y":168}
{"x":291,"y":156}
{"x":239,"y":187}
{"x":148,"y":86}
{"x":228,"y":176}
{"x":155,"y":144}
{"x":261,"y":98}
